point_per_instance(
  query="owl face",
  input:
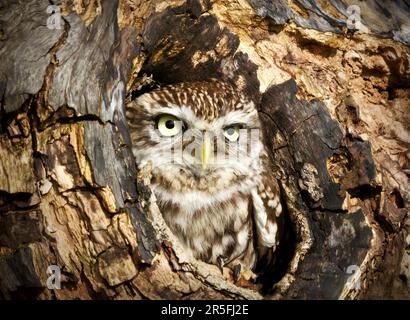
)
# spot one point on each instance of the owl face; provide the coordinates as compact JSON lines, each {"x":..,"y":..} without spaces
{"x":202,"y":135}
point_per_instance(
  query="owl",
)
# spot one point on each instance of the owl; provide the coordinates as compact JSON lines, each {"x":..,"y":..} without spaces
{"x":211,"y":175}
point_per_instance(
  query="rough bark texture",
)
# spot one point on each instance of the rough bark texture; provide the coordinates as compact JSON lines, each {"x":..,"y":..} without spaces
{"x":334,"y":101}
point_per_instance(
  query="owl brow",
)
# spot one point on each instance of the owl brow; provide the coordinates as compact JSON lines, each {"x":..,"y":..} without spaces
{"x":166,"y":110}
{"x":242,"y":125}
{"x":178,"y":113}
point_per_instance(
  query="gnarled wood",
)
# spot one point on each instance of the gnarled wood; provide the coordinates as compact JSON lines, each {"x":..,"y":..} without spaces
{"x":334,"y":103}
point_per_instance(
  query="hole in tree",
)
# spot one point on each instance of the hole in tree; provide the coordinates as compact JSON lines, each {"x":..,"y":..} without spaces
{"x":267,"y":275}
{"x":179,"y":68}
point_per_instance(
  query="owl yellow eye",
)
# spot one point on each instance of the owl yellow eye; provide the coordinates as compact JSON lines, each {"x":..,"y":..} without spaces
{"x":169,"y":125}
{"x":232,"y":133}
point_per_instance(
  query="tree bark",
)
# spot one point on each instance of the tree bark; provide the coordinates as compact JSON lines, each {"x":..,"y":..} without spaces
{"x":333,"y":95}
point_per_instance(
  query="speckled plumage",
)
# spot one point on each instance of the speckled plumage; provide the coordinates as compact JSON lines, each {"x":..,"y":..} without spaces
{"x":230,"y":212}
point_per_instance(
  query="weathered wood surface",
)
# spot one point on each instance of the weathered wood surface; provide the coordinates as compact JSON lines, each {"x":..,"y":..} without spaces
{"x":335,"y":106}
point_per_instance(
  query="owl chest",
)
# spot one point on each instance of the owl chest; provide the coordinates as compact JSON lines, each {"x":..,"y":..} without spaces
{"x":216,"y":230}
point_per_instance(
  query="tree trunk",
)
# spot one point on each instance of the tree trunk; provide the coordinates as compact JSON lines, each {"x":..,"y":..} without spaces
{"x":332,"y":86}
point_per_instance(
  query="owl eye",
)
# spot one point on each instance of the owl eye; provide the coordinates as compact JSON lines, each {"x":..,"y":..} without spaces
{"x":169,"y":125}
{"x":232,"y":133}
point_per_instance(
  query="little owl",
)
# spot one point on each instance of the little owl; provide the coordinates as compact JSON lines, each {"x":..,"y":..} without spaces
{"x":211,"y":174}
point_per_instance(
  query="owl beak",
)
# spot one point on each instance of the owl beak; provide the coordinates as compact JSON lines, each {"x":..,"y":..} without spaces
{"x":205,"y":152}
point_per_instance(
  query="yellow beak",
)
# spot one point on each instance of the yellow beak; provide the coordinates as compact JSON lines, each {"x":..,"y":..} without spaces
{"x":205,"y":152}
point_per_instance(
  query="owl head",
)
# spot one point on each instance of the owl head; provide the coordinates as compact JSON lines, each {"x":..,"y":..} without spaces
{"x":197,"y":135}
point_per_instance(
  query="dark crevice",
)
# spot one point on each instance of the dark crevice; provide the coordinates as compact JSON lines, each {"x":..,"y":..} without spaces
{"x":384,"y":223}
{"x":337,"y":211}
{"x":33,"y":119}
{"x":26,"y":293}
{"x":403,"y":278}
{"x":69,"y":120}
{"x":144,"y":88}
{"x":2,"y":114}
{"x":7,"y":118}
{"x":315,"y":47}
{"x":306,"y":197}
{"x":392,"y":88}
{"x":398,"y":199}
{"x":365,"y":191}
{"x":15,"y":201}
